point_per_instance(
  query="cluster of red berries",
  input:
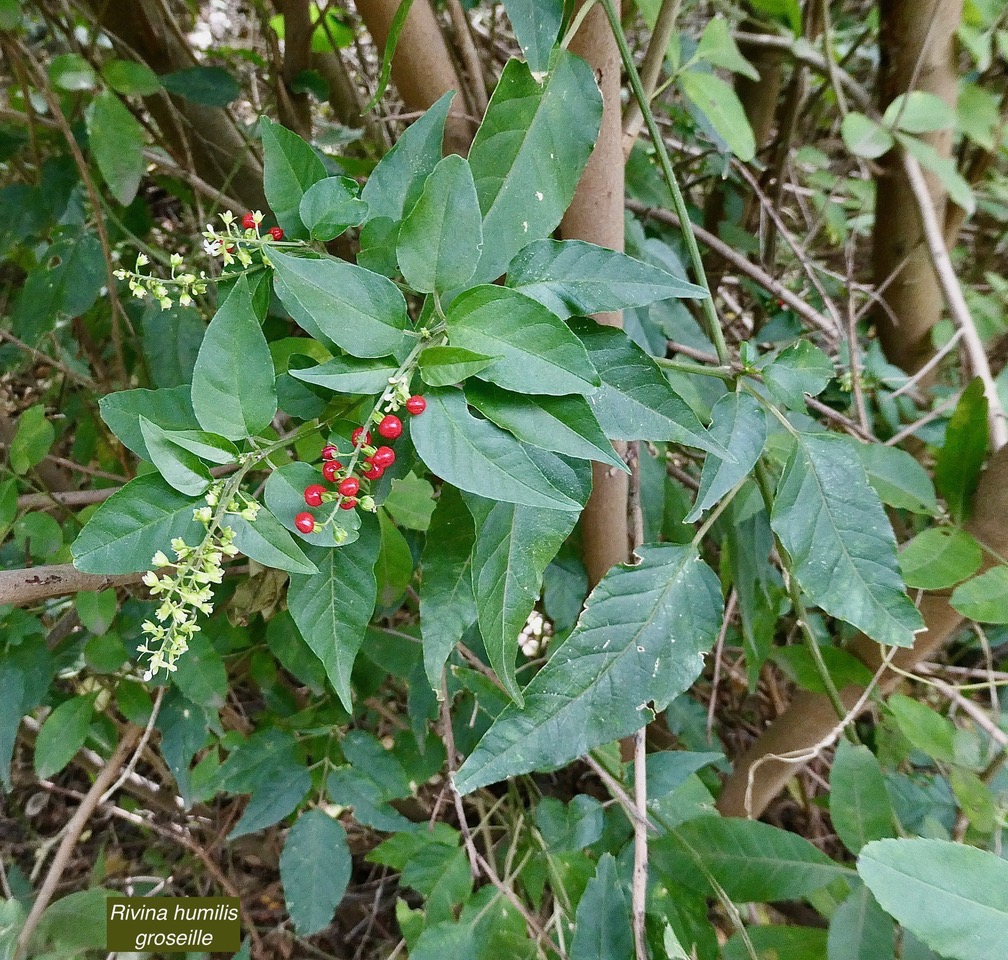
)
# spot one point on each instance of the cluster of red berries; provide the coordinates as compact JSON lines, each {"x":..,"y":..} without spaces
{"x":372,"y":467}
{"x":248,"y":223}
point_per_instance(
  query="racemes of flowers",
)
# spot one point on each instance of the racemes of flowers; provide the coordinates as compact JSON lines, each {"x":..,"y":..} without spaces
{"x":186,"y":285}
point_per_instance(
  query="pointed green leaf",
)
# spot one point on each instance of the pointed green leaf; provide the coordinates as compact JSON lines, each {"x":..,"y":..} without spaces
{"x":602,"y":923}
{"x":267,"y":542}
{"x":984,"y":598}
{"x":939,"y":558}
{"x":573,"y":278}
{"x":206,"y":446}
{"x":32,"y":440}
{"x":860,"y":930}
{"x":961,"y":458}
{"x":343,"y":304}
{"x":952,"y":896}
{"x":514,"y":545}
{"x":636,"y":401}
{"x":865,"y":137}
{"x":170,"y":408}
{"x":719,"y":103}
{"x":860,"y":807}
{"x":446,"y":366}
{"x":290,"y":167}
{"x":181,"y":468}
{"x":397,"y":181}
{"x":641,"y":639}
{"x":330,"y":206}
{"x":842,"y":548}
{"x":476,"y":456}
{"x":738,"y":423}
{"x":447,"y":605}
{"x":349,"y":374}
{"x":62,"y":734}
{"x":234,"y":383}
{"x":564,"y":424}
{"x":315,"y":868}
{"x":717,"y":46}
{"x":536,"y":24}
{"x":333,"y":607}
{"x":799,"y":369}
{"x":528,"y":155}
{"x":441,"y":238}
{"x":116,"y":139}
{"x":535,"y":350}
{"x":898,"y":478}
{"x":132,"y":525}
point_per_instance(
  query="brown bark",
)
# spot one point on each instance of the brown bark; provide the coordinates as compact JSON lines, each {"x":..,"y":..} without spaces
{"x":297,"y":55}
{"x":810,"y":717}
{"x":422,"y":67}
{"x":918,"y":53}
{"x":22,"y":588}
{"x":596,"y":215}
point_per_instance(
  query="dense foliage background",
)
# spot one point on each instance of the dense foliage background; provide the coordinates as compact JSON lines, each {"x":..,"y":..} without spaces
{"x":671,"y":623}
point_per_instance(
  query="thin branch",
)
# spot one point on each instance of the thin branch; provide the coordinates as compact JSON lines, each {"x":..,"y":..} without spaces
{"x":22,"y":588}
{"x":640,"y":869}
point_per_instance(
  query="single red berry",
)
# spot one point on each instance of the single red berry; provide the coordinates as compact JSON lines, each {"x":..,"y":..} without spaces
{"x":329,"y":452}
{"x":357,"y":434}
{"x":349,"y":487}
{"x":371,"y":471}
{"x":390,"y":427}
{"x":277,"y":233}
{"x":383,"y":457}
{"x":248,"y":221}
{"x":349,"y":503}
{"x":305,"y":522}
{"x":416,"y":405}
{"x":230,"y":249}
{"x":331,"y":469}
{"x":313,"y":495}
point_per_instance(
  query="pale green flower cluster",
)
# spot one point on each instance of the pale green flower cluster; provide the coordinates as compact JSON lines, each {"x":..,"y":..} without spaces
{"x":142,"y":285}
{"x":186,"y":589}
{"x":230,"y":245}
{"x":396,"y":395}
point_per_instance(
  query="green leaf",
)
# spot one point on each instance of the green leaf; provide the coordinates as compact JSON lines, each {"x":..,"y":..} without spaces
{"x":171,"y":341}
{"x":898,"y":478}
{"x":514,"y":545}
{"x":32,"y":440}
{"x":117,"y":141}
{"x":602,"y":923}
{"x":343,"y":304}
{"x":131,"y":78}
{"x":719,"y":103}
{"x":170,"y":408}
{"x":476,"y":456}
{"x":395,"y":28}
{"x":349,"y":374}
{"x":860,"y":930}
{"x":96,"y":609}
{"x":397,"y":181}
{"x":864,"y":137}
{"x":567,"y":828}
{"x":842,"y":548}
{"x":717,"y":46}
{"x":394,"y":568}
{"x":411,"y":502}
{"x":738,"y":423}
{"x":329,"y":206}
{"x":563,"y":424}
{"x":754,"y":862}
{"x":206,"y":446}
{"x":528,"y":155}
{"x":290,"y":167}
{"x":797,"y":370}
{"x":939,"y":558}
{"x":26,"y":671}
{"x":952,"y":896}
{"x":961,"y":458}
{"x":266,"y":541}
{"x":536,"y":24}
{"x":209,"y":86}
{"x":62,"y":734}
{"x":447,"y":604}
{"x":924,"y":728}
{"x":234,"y":383}
{"x":201,"y":674}
{"x":798,"y":664}
{"x":597,"y":685}
{"x":859,"y":802}
{"x":572,"y":278}
{"x":984,"y":598}
{"x":441,"y":238}
{"x":944,"y":167}
{"x":446,"y":366}
{"x":636,"y":401}
{"x":772,"y":943}
{"x":71,"y":72}
{"x":919,"y":112}
{"x":315,"y":868}
{"x":284,"y":495}
{"x":535,"y":351}
{"x":132,"y":525}
{"x":182,"y":469}
{"x":333,"y":607}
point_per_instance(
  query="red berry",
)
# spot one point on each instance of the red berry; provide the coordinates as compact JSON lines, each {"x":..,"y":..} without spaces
{"x":305,"y":522}
{"x":248,"y":221}
{"x":371,"y":471}
{"x":416,"y":405}
{"x":390,"y":427}
{"x":276,"y":233}
{"x":331,"y":469}
{"x":313,"y":495}
{"x":329,"y":452}
{"x":383,"y":457}
{"x":349,"y":503}
{"x":349,"y":487}
{"x":357,"y":434}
